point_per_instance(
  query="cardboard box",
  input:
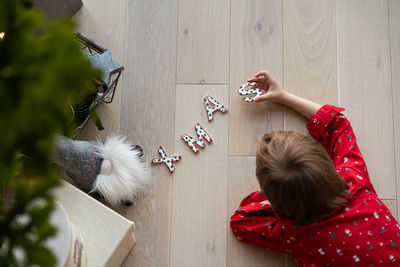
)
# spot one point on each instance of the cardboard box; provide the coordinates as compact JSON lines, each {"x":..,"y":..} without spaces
{"x":107,"y":235}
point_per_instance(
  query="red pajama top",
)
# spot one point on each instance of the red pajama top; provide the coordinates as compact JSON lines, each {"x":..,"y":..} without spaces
{"x":364,"y":233}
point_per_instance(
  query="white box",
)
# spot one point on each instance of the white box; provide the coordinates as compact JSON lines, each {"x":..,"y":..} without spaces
{"x":107,"y":235}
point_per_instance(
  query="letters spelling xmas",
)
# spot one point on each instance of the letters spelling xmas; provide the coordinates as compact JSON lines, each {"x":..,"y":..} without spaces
{"x":211,"y":105}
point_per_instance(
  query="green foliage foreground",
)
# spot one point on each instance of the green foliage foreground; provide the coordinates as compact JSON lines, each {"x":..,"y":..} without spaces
{"x":41,"y":74}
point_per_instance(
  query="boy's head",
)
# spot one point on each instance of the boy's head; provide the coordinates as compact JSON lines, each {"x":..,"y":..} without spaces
{"x":298,"y":177}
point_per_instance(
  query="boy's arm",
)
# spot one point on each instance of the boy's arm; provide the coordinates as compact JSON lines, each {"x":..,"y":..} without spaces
{"x":325,"y":124}
{"x":334,"y":130}
{"x":305,"y":107}
{"x":254,"y":222}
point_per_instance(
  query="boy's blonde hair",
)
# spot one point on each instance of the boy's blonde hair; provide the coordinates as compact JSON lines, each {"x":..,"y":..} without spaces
{"x":298,"y":177}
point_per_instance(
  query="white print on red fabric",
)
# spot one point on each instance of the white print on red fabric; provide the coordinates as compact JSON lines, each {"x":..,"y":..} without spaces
{"x":339,"y":251}
{"x":392,"y":258}
{"x":243,"y":91}
{"x":213,"y":105}
{"x":165,"y":159}
{"x":356,"y":258}
{"x":347,"y":231}
{"x":193,"y":143}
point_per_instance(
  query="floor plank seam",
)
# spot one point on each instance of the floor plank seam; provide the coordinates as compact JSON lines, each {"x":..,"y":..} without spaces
{"x":175,"y":132}
{"x":227,"y":151}
{"x":396,"y":171}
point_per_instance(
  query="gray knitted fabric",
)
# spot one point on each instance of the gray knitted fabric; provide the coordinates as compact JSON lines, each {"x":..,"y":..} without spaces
{"x":79,"y":160}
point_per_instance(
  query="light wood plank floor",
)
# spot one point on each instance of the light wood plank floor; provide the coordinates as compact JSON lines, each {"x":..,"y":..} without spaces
{"x":177,"y":52}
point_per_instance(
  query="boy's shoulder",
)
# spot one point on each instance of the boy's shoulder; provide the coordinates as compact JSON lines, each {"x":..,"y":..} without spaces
{"x":257,"y":196}
{"x":253,"y":198}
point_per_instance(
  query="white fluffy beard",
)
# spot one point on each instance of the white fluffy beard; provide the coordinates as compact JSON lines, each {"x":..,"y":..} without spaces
{"x":129,"y":176}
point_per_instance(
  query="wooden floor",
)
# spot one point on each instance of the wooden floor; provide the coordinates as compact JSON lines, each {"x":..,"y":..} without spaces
{"x":175,"y":53}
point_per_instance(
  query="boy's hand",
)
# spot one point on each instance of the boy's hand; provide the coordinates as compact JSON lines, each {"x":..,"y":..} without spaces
{"x":273,"y":91}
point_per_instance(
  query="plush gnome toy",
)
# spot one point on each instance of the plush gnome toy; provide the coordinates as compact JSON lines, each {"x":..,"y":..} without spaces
{"x":111,"y":168}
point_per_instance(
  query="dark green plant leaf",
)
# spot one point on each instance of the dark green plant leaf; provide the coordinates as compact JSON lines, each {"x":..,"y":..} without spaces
{"x":95,"y":117}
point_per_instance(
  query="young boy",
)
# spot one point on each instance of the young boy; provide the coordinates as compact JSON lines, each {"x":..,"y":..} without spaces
{"x":316,"y":200}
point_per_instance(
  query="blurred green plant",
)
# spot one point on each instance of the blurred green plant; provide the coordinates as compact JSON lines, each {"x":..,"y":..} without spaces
{"x":42,"y":73}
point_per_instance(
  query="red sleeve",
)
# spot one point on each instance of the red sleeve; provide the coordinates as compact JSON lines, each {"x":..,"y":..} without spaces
{"x":332,"y":128}
{"x":255,"y":223}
